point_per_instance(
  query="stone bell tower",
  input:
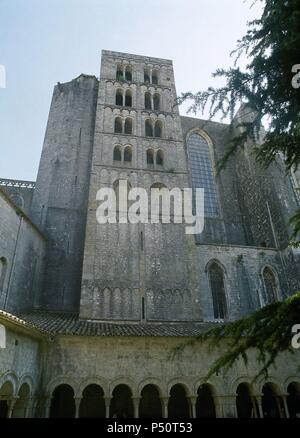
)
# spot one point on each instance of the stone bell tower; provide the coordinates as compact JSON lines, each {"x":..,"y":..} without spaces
{"x":138,"y":272}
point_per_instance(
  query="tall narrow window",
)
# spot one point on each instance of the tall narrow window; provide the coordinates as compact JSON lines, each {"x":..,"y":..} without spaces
{"x":158,"y":129}
{"x":3,"y":266}
{"x":202,"y":172}
{"x":118,"y":125}
{"x":150,"y":158}
{"x":216,"y":279}
{"x":156,"y":101}
{"x":147,"y":76}
{"x":270,"y":286}
{"x":128,"y":154}
{"x":155,"y":77}
{"x":160,"y":158}
{"x":148,"y":101}
{"x":148,"y":128}
{"x":128,"y":98}
{"x":117,"y":153}
{"x":119,"y":74}
{"x":119,"y":97}
{"x":128,"y":73}
{"x":128,"y":126}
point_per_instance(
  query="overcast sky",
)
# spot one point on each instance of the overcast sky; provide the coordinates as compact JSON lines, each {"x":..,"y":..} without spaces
{"x":46,"y":41}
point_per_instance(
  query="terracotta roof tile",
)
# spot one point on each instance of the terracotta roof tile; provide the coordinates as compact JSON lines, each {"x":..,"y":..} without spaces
{"x":56,"y":323}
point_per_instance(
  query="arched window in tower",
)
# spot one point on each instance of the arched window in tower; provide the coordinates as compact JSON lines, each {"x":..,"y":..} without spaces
{"x":121,"y":201}
{"x":160,"y":158}
{"x":119,"y":97}
{"x":158,"y":129}
{"x":118,"y":125}
{"x":119,"y":74}
{"x":270,"y":286}
{"x":202,"y":172}
{"x":155,"y":77}
{"x":117,"y":153}
{"x":128,"y":125}
{"x":148,"y":101}
{"x":150,"y":158}
{"x":156,"y":101}
{"x":3,"y":266}
{"x":148,"y":128}
{"x":128,"y":73}
{"x":128,"y":154}
{"x":147,"y":76}
{"x":216,"y":280}
{"x":128,"y":98}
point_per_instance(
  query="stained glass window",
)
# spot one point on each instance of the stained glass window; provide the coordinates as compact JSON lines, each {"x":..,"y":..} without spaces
{"x":202,"y":172}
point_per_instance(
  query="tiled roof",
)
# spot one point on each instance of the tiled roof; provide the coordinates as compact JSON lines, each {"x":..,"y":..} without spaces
{"x":54,"y":323}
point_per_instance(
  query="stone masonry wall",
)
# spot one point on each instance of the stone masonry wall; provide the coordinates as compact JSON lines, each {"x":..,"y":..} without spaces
{"x":60,"y":199}
{"x":22,"y":250}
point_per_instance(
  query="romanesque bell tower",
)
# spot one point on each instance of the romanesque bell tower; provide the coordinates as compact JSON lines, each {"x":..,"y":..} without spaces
{"x":138,"y":272}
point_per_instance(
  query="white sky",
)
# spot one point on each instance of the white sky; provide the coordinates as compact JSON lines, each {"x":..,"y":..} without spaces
{"x":46,"y":41}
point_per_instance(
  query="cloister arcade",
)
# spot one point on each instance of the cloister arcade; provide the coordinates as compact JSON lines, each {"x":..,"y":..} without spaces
{"x":94,"y":398}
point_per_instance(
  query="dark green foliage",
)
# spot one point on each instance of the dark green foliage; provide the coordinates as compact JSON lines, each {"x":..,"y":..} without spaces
{"x":268,"y":330}
{"x":272,"y":48}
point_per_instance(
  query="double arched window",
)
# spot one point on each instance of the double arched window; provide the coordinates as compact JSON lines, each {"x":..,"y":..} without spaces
{"x":202,"y":172}
{"x":153,"y":128}
{"x":123,"y":98}
{"x":155,"y":159}
{"x":270,"y":286}
{"x":152,"y":102}
{"x":124,"y":73}
{"x":217,"y":287}
{"x":120,"y":155}
{"x":151,"y":76}
{"x":123,"y":126}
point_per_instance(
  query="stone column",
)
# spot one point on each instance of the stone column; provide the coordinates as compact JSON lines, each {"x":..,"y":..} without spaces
{"x":152,"y":102}
{"x":253,"y":401}
{"x":285,"y":405}
{"x":11,"y":404}
{"x":164,"y":405}
{"x":32,"y":405}
{"x":77,"y":406}
{"x":47,"y":406}
{"x":107,"y":406}
{"x":136,"y":404}
{"x":192,"y":405}
{"x":258,"y":398}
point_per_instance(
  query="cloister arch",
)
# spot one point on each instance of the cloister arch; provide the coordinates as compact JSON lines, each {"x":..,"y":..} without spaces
{"x":92,"y":404}
{"x":245,"y":404}
{"x":150,"y":403}
{"x":22,"y":404}
{"x":271,"y":403}
{"x":63,"y":402}
{"x":293,"y":399}
{"x":6,"y":394}
{"x":121,"y":405}
{"x":205,"y":404}
{"x":178,"y":405}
